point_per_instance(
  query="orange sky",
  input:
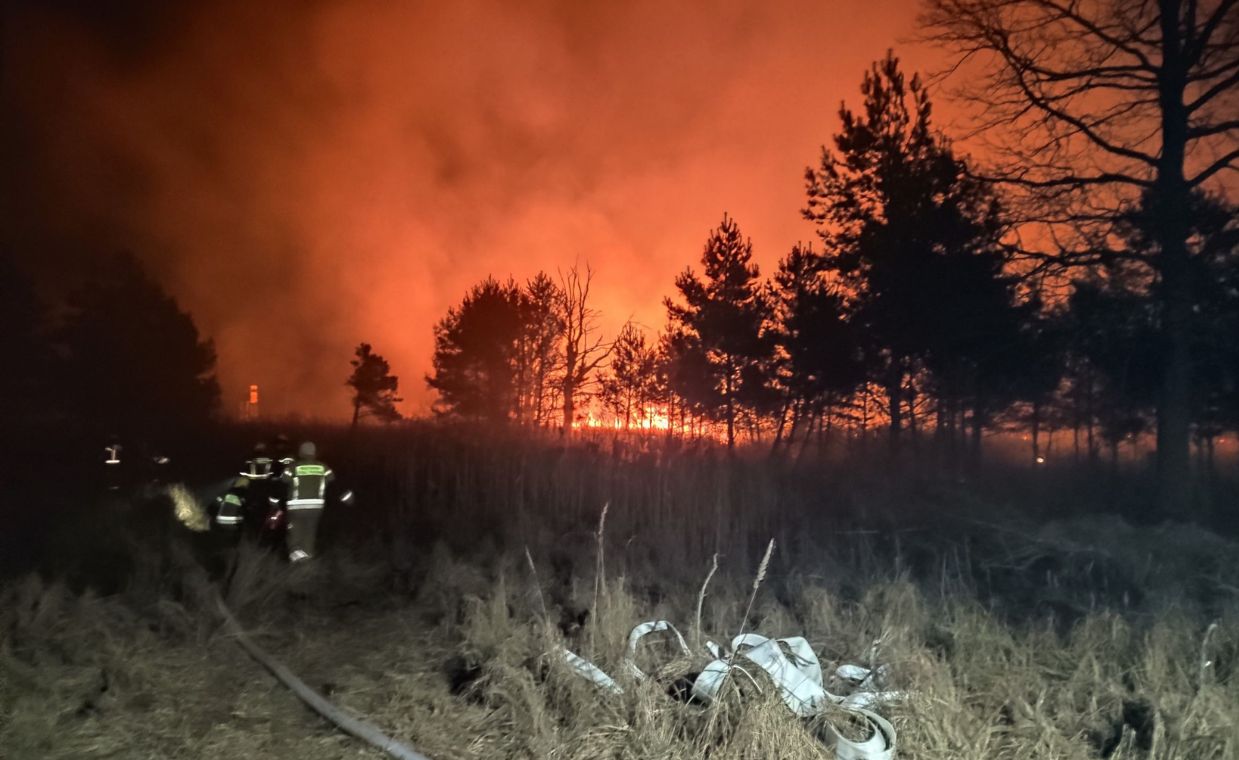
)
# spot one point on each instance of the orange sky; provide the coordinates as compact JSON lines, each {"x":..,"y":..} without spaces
{"x":307,"y":175}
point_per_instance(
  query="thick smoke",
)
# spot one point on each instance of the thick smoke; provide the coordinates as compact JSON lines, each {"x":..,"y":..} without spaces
{"x":308,"y":175}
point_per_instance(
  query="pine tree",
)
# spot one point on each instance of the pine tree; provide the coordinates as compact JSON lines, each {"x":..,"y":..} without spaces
{"x":374,"y":387}
{"x":476,"y":347}
{"x":136,"y":364}
{"x":721,"y":329}
{"x":819,"y":362}
{"x":916,"y":241}
{"x":629,"y":385}
{"x":540,"y":354}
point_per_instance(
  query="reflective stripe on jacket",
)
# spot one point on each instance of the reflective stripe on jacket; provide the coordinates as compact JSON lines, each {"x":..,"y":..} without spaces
{"x":258,"y":468}
{"x":307,"y":482}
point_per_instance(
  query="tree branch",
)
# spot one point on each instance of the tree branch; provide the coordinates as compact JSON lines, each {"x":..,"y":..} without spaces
{"x":1225,"y":162}
{"x":1214,"y":91}
{"x":1198,"y":46}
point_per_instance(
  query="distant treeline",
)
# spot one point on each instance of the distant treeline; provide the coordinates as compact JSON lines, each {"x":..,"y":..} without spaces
{"x":115,"y":356}
{"x":922,"y":310}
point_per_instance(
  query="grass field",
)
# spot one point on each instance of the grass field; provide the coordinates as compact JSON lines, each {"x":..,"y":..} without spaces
{"x":1014,"y":622}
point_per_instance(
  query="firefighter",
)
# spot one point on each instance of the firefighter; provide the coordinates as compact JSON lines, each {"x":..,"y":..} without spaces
{"x":230,"y":507}
{"x":307,"y":480}
{"x":281,"y":456}
{"x":259,"y":466}
{"x":258,"y":499}
{"x":113,"y":473}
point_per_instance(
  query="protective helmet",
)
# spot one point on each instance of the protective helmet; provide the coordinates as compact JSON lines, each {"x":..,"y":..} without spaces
{"x":307,"y":450}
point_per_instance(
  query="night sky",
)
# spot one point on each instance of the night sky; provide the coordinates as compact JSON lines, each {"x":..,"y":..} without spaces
{"x":304,"y":176}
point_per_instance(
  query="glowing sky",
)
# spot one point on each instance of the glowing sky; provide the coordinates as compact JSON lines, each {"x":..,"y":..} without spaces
{"x":304,"y":176}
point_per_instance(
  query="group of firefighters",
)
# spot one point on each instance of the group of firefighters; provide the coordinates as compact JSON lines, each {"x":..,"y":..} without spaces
{"x":275,"y":499}
{"x":285,"y":494}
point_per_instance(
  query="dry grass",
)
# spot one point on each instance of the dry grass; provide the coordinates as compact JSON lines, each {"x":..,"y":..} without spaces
{"x":90,"y":677}
{"x":1078,"y":639}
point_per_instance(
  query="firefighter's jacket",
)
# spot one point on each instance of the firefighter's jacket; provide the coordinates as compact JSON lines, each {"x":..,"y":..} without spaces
{"x":230,"y":507}
{"x":307,"y":482}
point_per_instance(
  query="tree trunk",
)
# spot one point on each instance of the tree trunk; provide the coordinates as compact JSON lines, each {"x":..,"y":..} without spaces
{"x":778,"y":433}
{"x":978,"y":426}
{"x":1075,"y":439}
{"x":1036,"y":432}
{"x":828,"y":420}
{"x":894,"y":397}
{"x":798,"y":416}
{"x":1171,"y":211}
{"x":731,"y":411}
{"x":569,"y":406}
{"x":814,"y":411}
{"x":1090,"y":437}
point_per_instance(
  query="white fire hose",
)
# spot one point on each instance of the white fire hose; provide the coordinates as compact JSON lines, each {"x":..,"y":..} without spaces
{"x":791,"y":665}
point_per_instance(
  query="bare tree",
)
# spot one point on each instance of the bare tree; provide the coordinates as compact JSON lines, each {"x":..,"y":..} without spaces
{"x":1101,"y":105}
{"x":583,"y":348}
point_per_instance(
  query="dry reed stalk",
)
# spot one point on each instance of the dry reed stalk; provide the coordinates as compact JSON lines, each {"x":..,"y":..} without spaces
{"x":1206,"y":662}
{"x":701,"y":596}
{"x":537,"y":586}
{"x":599,"y":571}
{"x":761,"y":576}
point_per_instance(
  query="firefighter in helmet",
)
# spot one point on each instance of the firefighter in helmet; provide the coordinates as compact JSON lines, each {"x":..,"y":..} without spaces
{"x":245,"y":502}
{"x":259,"y":466}
{"x":230,"y":507}
{"x":113,"y":473}
{"x":281,"y":455}
{"x":307,"y":480}
{"x":257,"y":498}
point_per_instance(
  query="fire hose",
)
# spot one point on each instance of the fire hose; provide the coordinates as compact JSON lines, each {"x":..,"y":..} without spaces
{"x":356,"y":727}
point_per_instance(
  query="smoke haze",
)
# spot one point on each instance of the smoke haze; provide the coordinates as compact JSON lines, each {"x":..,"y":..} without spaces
{"x":305,"y":176}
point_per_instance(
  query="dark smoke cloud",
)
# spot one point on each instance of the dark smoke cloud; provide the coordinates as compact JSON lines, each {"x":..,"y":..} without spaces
{"x":308,"y":175}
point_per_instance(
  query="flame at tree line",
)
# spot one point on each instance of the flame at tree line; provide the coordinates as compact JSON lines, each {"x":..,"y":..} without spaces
{"x":652,"y":417}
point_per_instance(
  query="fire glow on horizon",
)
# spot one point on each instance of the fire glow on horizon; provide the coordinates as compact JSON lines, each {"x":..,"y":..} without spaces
{"x":653,"y":418}
{"x":335,"y":172}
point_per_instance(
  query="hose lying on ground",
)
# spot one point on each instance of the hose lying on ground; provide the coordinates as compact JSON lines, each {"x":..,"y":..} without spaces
{"x":359,"y":728}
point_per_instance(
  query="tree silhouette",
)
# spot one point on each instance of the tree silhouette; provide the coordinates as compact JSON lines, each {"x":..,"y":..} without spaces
{"x":476,"y":347}
{"x":374,"y":387}
{"x":1216,"y":345}
{"x":583,"y":348}
{"x":1213,"y":247}
{"x":820,"y":363}
{"x":541,"y":350}
{"x":1038,"y":365}
{"x":25,"y":385}
{"x":721,"y":328}
{"x":916,"y":242}
{"x":687,"y":374}
{"x":1100,"y":103}
{"x":982,"y":343}
{"x":1114,"y":330}
{"x":135,"y":362}
{"x":628,"y":387}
